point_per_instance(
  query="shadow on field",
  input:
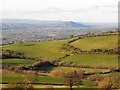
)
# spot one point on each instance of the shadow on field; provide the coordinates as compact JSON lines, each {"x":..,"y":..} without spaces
{"x":47,"y":68}
{"x":30,"y":45}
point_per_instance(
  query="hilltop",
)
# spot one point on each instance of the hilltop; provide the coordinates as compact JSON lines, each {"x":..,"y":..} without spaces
{"x":34,"y":24}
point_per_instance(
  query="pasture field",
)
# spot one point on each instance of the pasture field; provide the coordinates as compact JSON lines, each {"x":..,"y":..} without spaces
{"x":93,"y":59}
{"x":101,"y":42}
{"x":45,"y":49}
{"x":49,"y":79}
{"x":16,"y":62}
{"x":52,"y":50}
{"x":40,"y":79}
{"x":12,"y":78}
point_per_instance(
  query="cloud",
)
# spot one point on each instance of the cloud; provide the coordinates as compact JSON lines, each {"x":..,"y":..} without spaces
{"x":53,"y":10}
{"x":63,"y":10}
{"x":110,"y":6}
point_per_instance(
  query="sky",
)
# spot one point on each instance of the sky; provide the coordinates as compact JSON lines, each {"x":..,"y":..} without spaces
{"x":61,"y":10}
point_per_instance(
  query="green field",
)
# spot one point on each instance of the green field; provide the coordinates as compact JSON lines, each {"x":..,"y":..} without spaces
{"x":45,"y":49}
{"x":40,"y":79}
{"x":101,"y":42}
{"x":52,"y":50}
{"x":12,"y":79}
{"x":49,"y":79}
{"x":16,"y":62}
{"x":93,"y":59}
{"x":11,"y":76}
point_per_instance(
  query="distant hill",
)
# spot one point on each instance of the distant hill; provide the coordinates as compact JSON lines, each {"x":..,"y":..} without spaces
{"x":34,"y":24}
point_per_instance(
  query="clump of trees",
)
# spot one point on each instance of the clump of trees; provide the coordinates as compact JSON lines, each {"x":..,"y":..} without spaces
{"x":75,"y":50}
{"x":75,"y":38}
{"x":71,"y":48}
{"x":97,"y":77}
{"x":72,"y":64}
{"x":33,"y":75}
{"x":112,"y":82}
{"x":57,"y":73}
{"x":105,"y":83}
{"x":11,"y":54}
{"x":72,"y":79}
{"x":104,"y":51}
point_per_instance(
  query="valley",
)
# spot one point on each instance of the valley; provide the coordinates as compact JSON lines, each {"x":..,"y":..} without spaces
{"x":93,"y":56}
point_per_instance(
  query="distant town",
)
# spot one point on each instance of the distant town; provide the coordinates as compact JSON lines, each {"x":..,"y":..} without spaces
{"x":16,"y":31}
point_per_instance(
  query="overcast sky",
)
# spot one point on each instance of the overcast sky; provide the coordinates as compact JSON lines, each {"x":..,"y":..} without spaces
{"x":65,"y":10}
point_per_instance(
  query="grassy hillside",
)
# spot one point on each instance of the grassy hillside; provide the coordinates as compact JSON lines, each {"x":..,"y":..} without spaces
{"x":10,"y":76}
{"x":93,"y":59}
{"x":16,"y":62}
{"x":49,"y":79}
{"x":12,"y":79}
{"x":46,"y":49}
{"x":51,"y":50}
{"x":100,"y":42}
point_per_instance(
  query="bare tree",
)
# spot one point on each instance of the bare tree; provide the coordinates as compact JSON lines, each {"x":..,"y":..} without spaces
{"x":72,"y":79}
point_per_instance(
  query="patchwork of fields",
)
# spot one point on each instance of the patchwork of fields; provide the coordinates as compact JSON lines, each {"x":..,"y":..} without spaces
{"x":51,"y":50}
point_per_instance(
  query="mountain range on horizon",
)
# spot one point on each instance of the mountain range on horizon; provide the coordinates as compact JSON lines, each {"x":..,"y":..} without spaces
{"x":35,"y":24}
{"x":13,"y":24}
